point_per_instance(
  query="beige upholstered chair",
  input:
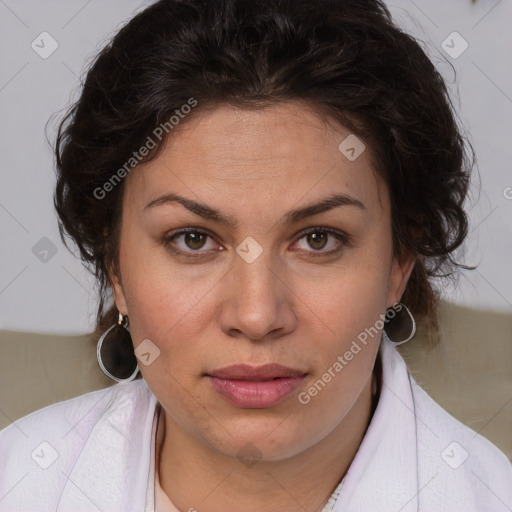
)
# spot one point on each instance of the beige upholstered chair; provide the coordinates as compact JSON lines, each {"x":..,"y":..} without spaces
{"x":468,"y":372}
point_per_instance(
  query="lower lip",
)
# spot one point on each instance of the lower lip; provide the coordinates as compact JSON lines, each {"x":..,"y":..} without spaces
{"x":255,"y":395}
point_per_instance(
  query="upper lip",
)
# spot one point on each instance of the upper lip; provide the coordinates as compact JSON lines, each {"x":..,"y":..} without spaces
{"x":248,"y":372}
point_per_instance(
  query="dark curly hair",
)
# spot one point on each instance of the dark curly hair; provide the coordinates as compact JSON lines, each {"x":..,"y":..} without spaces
{"x":346,"y":58}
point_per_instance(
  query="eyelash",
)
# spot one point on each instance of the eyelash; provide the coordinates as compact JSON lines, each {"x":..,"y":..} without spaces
{"x":342,"y":237}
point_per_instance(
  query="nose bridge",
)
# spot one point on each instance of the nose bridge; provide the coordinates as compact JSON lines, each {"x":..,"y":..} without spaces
{"x":255,"y":271}
{"x":258,"y":303}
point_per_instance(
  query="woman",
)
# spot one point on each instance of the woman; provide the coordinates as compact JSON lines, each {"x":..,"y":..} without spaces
{"x":269,"y":190}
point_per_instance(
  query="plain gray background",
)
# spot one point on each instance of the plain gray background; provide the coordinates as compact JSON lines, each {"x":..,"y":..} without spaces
{"x":43,"y":288}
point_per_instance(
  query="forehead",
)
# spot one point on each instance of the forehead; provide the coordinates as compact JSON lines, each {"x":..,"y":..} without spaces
{"x":284,"y":152}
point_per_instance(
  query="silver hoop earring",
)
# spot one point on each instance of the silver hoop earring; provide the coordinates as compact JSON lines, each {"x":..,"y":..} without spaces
{"x":115,"y":352}
{"x":399,"y":324}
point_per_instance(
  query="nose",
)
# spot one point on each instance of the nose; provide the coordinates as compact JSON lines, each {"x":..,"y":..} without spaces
{"x":258,"y":302}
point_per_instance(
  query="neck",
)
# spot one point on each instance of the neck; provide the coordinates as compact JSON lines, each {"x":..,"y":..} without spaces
{"x":194,"y":475}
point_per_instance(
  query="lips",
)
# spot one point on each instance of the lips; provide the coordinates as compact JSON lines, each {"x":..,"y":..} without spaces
{"x":260,"y":373}
{"x":252,"y":387}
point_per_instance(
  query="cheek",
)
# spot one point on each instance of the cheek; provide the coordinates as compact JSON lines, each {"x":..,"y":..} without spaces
{"x":347,"y":350}
{"x":353,"y":305}
{"x":171,"y":314}
{"x":162,"y":297}
{"x":169,"y":307}
{"x":355,"y":295}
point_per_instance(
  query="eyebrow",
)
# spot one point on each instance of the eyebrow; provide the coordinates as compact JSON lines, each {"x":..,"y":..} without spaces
{"x":292,"y":217}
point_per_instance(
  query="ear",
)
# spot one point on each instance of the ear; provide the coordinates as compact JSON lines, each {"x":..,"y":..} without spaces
{"x":401,"y":270}
{"x":118,"y":291}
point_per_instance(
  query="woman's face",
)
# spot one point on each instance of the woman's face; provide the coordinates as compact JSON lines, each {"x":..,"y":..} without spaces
{"x":261,"y":289}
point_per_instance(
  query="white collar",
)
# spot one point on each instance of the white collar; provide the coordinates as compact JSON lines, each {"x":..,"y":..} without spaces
{"x":114,"y":448}
{"x":150,"y":491}
{"x":383,"y":474}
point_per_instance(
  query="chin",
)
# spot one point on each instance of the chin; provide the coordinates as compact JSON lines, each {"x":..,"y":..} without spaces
{"x":264,"y":439}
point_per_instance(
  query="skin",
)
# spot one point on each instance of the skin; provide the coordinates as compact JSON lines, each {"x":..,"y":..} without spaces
{"x":293,"y":305}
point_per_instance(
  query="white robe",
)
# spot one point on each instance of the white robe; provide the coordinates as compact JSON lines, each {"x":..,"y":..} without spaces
{"x":94,"y":452}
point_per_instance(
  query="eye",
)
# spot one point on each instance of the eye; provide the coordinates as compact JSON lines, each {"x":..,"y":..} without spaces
{"x":188,"y":241}
{"x":323,"y":241}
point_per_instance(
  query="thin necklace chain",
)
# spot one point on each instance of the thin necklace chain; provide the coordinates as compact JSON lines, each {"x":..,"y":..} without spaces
{"x":329,"y":506}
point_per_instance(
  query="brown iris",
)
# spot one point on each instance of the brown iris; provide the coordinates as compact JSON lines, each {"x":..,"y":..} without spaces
{"x":317,"y":238}
{"x":195,"y":240}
